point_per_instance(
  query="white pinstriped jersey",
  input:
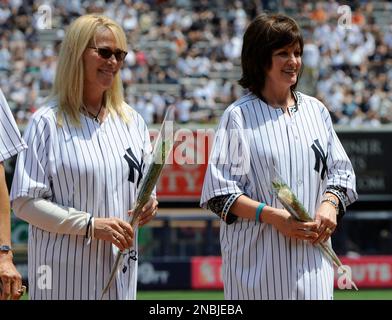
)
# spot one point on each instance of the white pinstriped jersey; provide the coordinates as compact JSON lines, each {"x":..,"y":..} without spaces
{"x":94,"y":168}
{"x":10,"y":140}
{"x":258,"y":261}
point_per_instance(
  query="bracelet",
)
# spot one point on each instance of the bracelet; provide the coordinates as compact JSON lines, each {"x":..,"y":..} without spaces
{"x":88,"y":227}
{"x":341,"y":195}
{"x":259,"y":211}
{"x":333,"y":202}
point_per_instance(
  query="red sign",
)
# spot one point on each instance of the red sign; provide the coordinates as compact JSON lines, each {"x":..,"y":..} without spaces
{"x":206,"y":273}
{"x":367,"y":272}
{"x":182,"y":178}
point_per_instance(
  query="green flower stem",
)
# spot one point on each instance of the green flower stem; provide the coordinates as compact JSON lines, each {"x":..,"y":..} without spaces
{"x":149,"y":181}
{"x":296,"y":209}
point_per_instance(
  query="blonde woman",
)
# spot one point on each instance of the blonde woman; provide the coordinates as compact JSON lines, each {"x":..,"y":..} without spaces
{"x":78,"y":179}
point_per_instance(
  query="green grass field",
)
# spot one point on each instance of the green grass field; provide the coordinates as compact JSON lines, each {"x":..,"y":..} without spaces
{"x":218,"y":295}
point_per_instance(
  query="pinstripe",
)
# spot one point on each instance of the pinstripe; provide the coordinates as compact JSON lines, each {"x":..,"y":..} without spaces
{"x":291,"y":174}
{"x":45,"y":259}
{"x":59,"y":271}
{"x":257,"y":134}
{"x":238,"y":268}
{"x":260,"y":185}
{"x":256,"y":294}
{"x":80,"y":167}
{"x":251,"y":293}
{"x":249,"y":119}
{"x":99,"y":275}
{"x":308,"y":292}
{"x":40,"y":252}
{"x":73,"y":177}
{"x":86,"y":134}
{"x":251,"y":262}
{"x":269,"y":266}
{"x":77,"y":184}
{"x":295,"y":268}
{"x":112,"y":208}
{"x":83,"y":181}
{"x":245,"y":275}
{"x":259,"y":262}
{"x":273,"y":116}
{"x":303,"y":273}
{"x":32,"y":256}
{"x":262,"y":283}
{"x":55,"y":243}
{"x":10,"y":140}
{"x":275,"y":264}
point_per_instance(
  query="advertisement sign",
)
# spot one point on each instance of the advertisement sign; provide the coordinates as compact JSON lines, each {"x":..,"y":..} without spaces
{"x":182,"y":178}
{"x":202,"y":273}
{"x":368,"y":150}
{"x":370,"y":153}
{"x":163,"y":275}
{"x":206,"y":273}
{"x":368,"y":271}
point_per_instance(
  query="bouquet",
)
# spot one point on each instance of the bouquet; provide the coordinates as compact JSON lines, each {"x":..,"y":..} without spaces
{"x":296,"y":209}
{"x":163,"y":146}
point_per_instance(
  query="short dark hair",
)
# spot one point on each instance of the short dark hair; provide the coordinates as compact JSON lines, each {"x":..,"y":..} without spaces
{"x":265,"y":34}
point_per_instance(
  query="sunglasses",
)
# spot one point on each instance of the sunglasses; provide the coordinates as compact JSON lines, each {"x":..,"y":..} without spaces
{"x":107,"y":53}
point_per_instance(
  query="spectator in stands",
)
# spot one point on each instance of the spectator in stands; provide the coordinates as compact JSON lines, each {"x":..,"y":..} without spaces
{"x":171,"y":33}
{"x":311,"y":60}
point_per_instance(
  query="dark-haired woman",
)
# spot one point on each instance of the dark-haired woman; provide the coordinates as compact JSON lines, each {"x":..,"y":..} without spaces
{"x":266,"y":253}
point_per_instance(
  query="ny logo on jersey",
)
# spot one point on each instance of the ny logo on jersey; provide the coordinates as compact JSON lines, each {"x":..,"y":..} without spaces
{"x":134,"y":165}
{"x":320,"y":157}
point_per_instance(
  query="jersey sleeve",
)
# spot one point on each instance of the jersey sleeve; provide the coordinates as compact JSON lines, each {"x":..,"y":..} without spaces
{"x":32,"y":174}
{"x":229,"y":162}
{"x":11,"y":142}
{"x":340,"y":171}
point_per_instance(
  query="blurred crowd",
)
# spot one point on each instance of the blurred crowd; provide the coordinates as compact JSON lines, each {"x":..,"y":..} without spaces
{"x":187,"y":53}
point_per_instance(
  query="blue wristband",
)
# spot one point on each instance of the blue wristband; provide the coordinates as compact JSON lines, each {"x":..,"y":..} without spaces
{"x":259,"y":210}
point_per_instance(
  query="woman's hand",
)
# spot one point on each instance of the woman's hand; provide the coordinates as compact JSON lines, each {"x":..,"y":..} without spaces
{"x":290,"y":227}
{"x":149,"y":211}
{"x":10,"y":279}
{"x":115,"y":230}
{"x":326,"y":221}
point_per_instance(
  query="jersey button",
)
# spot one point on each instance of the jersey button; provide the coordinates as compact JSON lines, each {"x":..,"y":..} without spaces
{"x":299,"y":182}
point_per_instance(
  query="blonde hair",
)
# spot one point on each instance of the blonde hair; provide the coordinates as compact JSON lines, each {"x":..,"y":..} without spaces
{"x":69,"y":80}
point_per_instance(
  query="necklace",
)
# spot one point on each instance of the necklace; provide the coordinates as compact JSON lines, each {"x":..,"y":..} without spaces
{"x":94,"y":116}
{"x":291,"y":109}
